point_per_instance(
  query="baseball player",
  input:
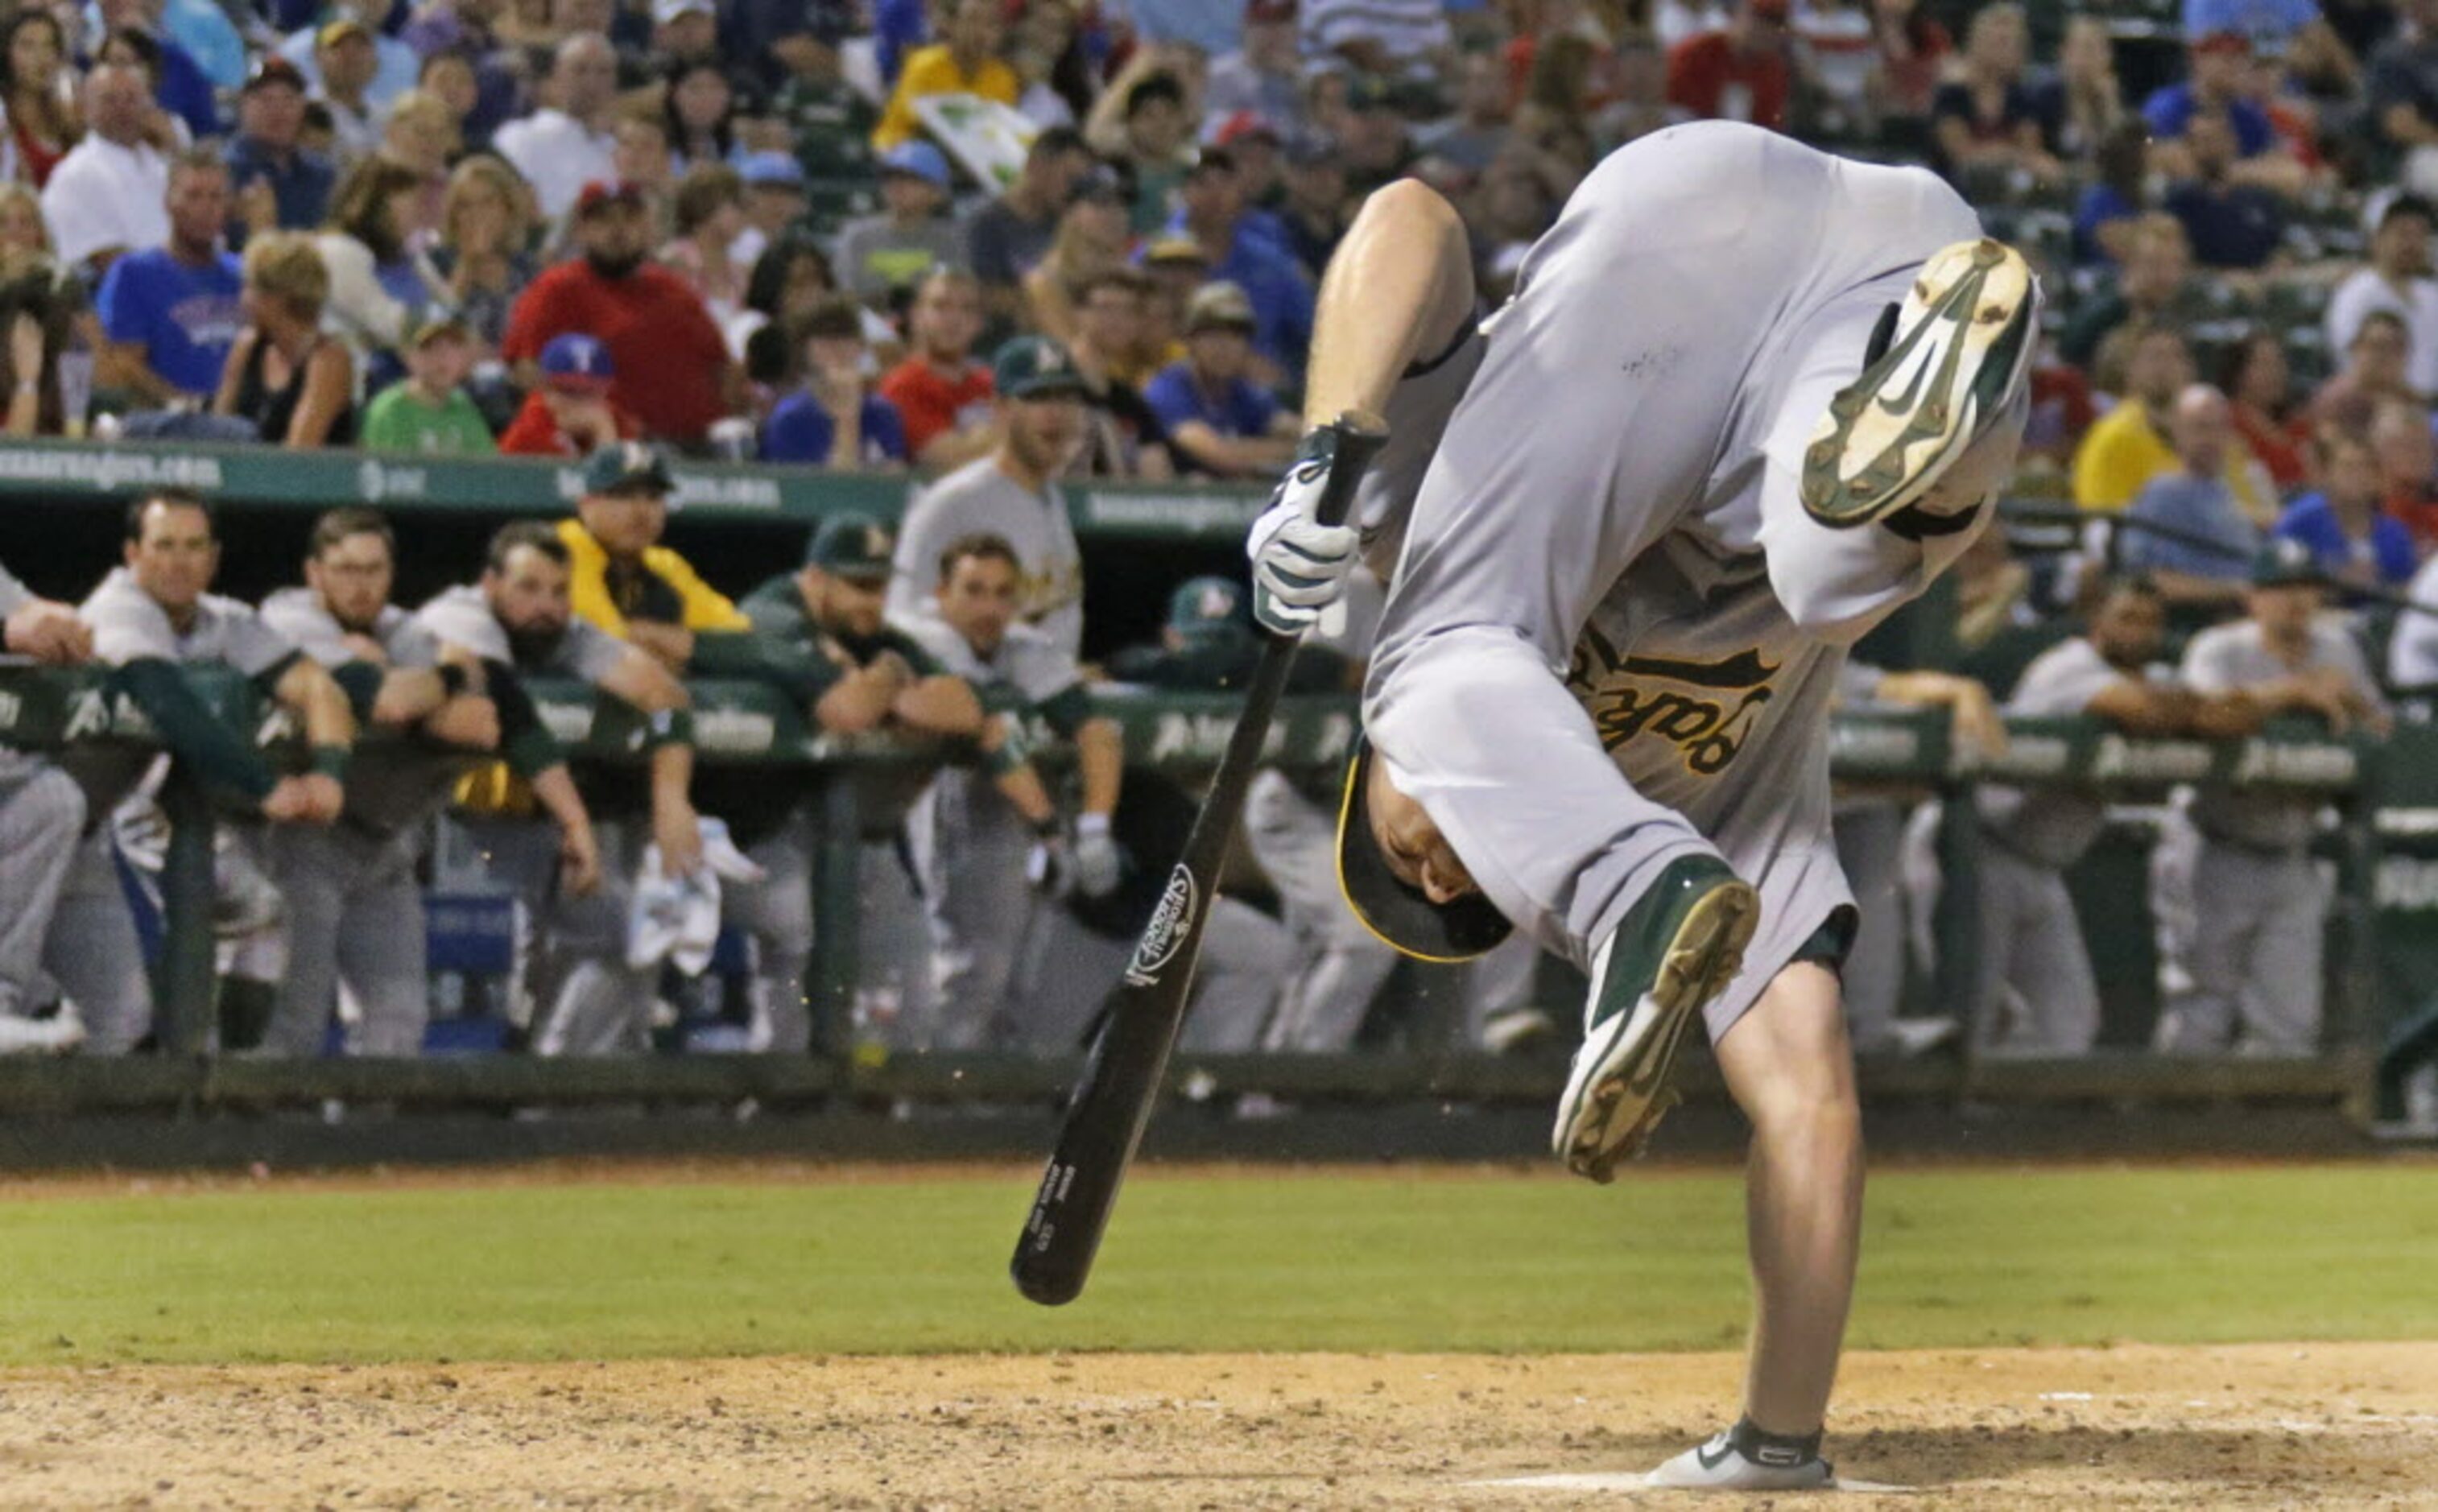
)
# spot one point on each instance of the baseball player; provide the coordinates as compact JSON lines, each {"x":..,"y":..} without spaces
{"x":2258,"y":909}
{"x":41,"y":812}
{"x":353,"y":909}
{"x":150,"y":617}
{"x":623,"y":580}
{"x":519,"y":615}
{"x":1338,"y":966}
{"x":978,"y":859}
{"x":1012,"y":494}
{"x":1746,"y":399}
{"x":821,"y":632}
{"x":2035,"y":994}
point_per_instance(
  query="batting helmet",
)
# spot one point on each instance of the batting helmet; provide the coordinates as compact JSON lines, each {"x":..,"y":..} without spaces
{"x":1398,"y":913}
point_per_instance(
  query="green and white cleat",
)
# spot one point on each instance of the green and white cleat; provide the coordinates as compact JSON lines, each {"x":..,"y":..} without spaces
{"x":1961,"y":343}
{"x":1678,"y":949}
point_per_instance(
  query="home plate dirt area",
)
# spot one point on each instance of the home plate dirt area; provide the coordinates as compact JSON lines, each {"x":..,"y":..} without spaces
{"x":2317,"y":1425}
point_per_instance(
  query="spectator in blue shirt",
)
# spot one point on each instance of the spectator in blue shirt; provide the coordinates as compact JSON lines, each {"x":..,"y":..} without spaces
{"x":2215,"y":83}
{"x":2356,"y":543}
{"x":2206,"y":562}
{"x":1248,"y":254}
{"x":265,"y":160}
{"x":834,"y":420}
{"x":1218,"y":423}
{"x":2231,"y":224}
{"x":171,"y":312}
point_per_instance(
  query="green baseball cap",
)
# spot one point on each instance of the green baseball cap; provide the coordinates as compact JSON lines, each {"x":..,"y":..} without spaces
{"x":626,"y":467}
{"x":1209,"y":608}
{"x":1035,"y":367}
{"x":851,"y":546}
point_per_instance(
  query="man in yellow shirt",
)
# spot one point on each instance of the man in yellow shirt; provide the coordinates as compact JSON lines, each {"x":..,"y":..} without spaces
{"x":968,"y":62}
{"x":622,"y":579}
{"x":2127,"y":446}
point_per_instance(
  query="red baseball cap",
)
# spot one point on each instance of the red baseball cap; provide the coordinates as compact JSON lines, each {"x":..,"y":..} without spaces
{"x":2222,"y":41}
{"x":607,"y":191}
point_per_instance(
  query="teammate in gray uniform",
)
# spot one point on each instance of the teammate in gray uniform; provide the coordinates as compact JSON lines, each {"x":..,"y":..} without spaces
{"x":1746,"y":401}
{"x":2034,"y":993}
{"x":977,"y":860}
{"x":149,"y":617}
{"x":1338,"y":967}
{"x":2413,"y":651}
{"x":595,"y":1003}
{"x":354,"y":912}
{"x":2259,"y":910}
{"x":1012,"y":494}
{"x":41,"y":813}
{"x":821,"y":634}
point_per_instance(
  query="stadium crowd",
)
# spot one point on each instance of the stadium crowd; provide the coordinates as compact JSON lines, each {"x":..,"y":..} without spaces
{"x":997,"y":243}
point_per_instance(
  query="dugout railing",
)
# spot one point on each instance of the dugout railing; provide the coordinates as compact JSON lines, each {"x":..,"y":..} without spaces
{"x":2381,"y":793}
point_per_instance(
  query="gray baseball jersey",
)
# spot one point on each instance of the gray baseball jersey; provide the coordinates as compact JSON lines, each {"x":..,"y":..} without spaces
{"x":391,"y":784}
{"x":1614,"y":634}
{"x":2229,"y":657}
{"x":2054,"y":826}
{"x":2413,"y":655}
{"x":16,"y":766}
{"x":462,"y":617}
{"x":1029,"y":667}
{"x":129,"y":625}
{"x":980,"y":498}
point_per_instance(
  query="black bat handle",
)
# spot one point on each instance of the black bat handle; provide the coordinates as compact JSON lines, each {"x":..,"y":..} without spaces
{"x":1112,"y":1102}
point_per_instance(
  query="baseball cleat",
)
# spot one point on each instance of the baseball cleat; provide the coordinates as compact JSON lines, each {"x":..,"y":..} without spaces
{"x":1678,"y":949}
{"x":1960,"y":345}
{"x":1735,"y":1461}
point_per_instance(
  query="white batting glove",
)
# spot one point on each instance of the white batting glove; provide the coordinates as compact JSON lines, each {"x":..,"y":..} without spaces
{"x":1098,"y":867}
{"x":1299,"y":565}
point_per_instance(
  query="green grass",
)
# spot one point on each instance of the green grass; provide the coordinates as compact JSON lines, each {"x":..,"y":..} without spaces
{"x":1291,"y":1261}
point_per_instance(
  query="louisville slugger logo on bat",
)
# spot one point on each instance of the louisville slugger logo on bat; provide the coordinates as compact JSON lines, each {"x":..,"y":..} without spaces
{"x":1172,"y":925}
{"x":1129,"y":1058}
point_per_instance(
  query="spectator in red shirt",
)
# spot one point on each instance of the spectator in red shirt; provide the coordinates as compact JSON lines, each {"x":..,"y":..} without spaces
{"x":1738,"y":74}
{"x":942,"y":392}
{"x":569,"y":413}
{"x":2254,"y":375}
{"x":2399,"y":434}
{"x":673,"y":372}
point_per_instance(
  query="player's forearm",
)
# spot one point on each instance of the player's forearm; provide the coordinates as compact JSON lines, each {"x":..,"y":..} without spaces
{"x":855,"y":703}
{"x":940,"y":706}
{"x":408,"y":695}
{"x":672,"y":770}
{"x":318,"y":699}
{"x":672,"y":643}
{"x":1101,"y":756}
{"x":555,"y":790}
{"x":1396,"y":293}
{"x":1027,"y":794}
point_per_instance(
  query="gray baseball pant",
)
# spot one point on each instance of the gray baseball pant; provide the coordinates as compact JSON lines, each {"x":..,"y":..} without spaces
{"x":2256,"y":947}
{"x":587,"y":999}
{"x":91,"y":951}
{"x":1069,"y":972}
{"x":41,"y":812}
{"x":2034,"y":993}
{"x":1337,"y":967}
{"x":354,"y":916}
{"x":777,"y":913}
{"x":969,"y":847}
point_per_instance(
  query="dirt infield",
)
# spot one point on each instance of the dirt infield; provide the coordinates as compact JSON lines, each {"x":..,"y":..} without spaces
{"x":2248,"y":1426}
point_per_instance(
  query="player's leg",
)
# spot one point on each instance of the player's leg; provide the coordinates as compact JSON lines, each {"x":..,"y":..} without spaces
{"x":383,"y":955}
{"x":92,"y":952}
{"x":1236,"y":983}
{"x":1996,"y":1021}
{"x":600,"y":1005}
{"x":1791,"y":1070}
{"x":777,"y":913}
{"x":2225,"y":919}
{"x":2283,"y":986}
{"x":971,"y":853}
{"x":40,"y":815}
{"x":312,"y":871}
{"x":2053,"y":973}
{"x":1339,"y":967}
